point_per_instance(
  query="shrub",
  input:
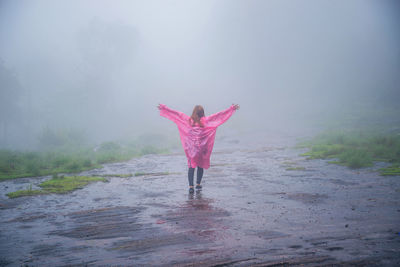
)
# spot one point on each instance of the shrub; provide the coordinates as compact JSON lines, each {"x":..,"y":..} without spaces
{"x":109,"y":146}
{"x":87,"y":163}
{"x":355,"y":158}
{"x":148,"y":150}
{"x":73,"y":166}
{"x":32,"y":168}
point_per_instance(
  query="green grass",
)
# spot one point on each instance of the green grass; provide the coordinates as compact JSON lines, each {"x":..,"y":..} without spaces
{"x":356,"y":149}
{"x":57,"y":185}
{"x":15,"y":164}
{"x":24,"y":193}
{"x":391,"y":170}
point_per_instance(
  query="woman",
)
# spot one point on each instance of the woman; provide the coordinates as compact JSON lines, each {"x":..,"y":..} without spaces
{"x":197,"y":134}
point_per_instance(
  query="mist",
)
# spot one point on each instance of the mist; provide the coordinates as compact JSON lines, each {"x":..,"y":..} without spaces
{"x":102,"y":67}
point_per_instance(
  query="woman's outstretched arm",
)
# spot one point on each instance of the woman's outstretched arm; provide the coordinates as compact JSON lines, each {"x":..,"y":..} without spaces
{"x":176,"y":116}
{"x":219,"y":118}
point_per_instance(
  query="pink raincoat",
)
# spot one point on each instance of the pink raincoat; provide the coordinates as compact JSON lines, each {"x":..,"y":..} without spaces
{"x":197,"y":141}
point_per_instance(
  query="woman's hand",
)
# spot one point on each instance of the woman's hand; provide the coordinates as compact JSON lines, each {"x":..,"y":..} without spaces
{"x":236,"y":106}
{"x":159,"y":106}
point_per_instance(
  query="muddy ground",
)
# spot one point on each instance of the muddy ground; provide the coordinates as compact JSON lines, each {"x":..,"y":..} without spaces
{"x":253,"y":211}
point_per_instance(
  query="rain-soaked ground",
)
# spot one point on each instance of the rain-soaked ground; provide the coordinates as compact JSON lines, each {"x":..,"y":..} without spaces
{"x":252,"y":211}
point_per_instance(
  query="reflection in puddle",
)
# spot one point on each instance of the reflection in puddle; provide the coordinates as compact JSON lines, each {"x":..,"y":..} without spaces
{"x":197,"y":195}
{"x":198,"y":218}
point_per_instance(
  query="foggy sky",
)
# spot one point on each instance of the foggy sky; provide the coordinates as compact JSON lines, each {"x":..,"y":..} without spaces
{"x":103,"y":66}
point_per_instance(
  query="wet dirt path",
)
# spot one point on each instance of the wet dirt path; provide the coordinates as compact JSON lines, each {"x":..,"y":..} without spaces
{"x":253,"y":210}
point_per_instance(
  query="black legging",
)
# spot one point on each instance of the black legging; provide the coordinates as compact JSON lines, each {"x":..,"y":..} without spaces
{"x":191,"y":175}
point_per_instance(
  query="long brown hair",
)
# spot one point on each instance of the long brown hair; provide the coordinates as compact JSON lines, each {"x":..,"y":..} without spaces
{"x":198,"y":113}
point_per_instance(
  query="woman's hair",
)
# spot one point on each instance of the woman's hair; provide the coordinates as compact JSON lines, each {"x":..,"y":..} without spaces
{"x":198,"y":113}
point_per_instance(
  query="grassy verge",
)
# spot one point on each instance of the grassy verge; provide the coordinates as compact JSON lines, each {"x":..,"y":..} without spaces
{"x":24,"y":193}
{"x":356,"y":149}
{"x":15,"y":164}
{"x":57,"y":185}
{"x":392,"y":170}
